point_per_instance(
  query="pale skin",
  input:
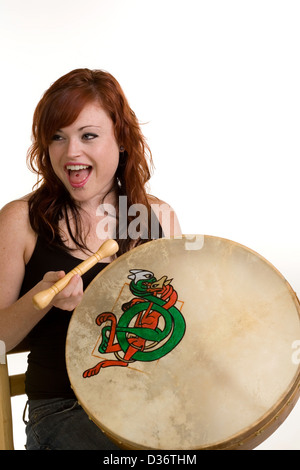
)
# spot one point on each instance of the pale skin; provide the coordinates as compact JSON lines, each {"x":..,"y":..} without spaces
{"x":89,"y":142}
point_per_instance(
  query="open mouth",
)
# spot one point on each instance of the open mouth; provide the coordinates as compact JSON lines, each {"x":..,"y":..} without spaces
{"x":78,"y":174}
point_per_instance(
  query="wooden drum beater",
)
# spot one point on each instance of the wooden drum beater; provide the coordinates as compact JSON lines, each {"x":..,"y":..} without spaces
{"x":42,"y":299}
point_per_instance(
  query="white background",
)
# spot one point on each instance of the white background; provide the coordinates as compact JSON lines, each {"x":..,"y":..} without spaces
{"x":218,"y":84}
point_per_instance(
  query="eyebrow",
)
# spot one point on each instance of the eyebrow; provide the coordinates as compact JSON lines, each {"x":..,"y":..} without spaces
{"x":84,"y":127}
{"x":81,"y":128}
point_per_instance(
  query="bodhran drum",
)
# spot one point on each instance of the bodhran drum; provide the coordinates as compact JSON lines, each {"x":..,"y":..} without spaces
{"x":186,"y":344}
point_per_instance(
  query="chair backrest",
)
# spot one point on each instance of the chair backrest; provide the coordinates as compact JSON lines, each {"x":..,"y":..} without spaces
{"x":10,"y":386}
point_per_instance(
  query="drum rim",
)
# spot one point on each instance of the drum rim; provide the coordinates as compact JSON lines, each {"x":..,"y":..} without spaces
{"x":249,"y":437}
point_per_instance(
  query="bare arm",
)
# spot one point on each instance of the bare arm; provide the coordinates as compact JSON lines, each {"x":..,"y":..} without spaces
{"x":17,"y":241}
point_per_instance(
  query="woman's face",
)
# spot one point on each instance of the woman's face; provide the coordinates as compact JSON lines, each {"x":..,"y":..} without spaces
{"x":85,"y":155}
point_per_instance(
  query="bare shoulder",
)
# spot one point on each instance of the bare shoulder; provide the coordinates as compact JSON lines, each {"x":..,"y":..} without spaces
{"x":155,"y":202}
{"x":15,"y":229}
{"x":16,"y":210}
{"x":14,"y":213}
{"x":166,"y":215}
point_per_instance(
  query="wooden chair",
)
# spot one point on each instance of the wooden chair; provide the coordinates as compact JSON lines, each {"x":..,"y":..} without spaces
{"x":10,"y":386}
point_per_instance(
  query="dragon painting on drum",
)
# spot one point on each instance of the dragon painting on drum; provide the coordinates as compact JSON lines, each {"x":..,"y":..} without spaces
{"x":150,"y":326}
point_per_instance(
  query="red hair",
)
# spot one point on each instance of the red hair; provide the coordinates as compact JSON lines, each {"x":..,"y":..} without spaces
{"x":60,"y":107}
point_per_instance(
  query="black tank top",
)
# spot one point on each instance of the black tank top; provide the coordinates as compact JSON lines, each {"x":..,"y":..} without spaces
{"x":46,"y":375}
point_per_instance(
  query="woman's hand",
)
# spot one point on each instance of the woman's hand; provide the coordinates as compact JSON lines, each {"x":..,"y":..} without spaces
{"x":70,"y":296}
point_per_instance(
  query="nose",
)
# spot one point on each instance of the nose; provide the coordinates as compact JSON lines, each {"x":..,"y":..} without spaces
{"x":73,"y":147}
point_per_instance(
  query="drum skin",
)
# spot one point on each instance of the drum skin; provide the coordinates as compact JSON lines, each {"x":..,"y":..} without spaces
{"x":186,"y":344}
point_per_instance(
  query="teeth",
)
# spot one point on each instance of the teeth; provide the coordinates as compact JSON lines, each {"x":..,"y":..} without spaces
{"x":77,"y":167}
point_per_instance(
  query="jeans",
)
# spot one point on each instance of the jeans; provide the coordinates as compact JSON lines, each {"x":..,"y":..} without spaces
{"x":61,"y":424}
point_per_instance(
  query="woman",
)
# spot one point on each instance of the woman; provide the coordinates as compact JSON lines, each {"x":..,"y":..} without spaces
{"x":89,"y":154}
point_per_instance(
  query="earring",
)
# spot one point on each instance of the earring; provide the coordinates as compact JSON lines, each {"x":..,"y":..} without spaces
{"x":122,"y":148}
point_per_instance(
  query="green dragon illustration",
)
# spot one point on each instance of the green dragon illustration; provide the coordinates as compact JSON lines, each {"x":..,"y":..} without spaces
{"x":149,"y":328}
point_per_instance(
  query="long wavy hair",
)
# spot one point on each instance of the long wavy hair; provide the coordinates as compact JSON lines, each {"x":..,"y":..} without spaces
{"x":60,"y":107}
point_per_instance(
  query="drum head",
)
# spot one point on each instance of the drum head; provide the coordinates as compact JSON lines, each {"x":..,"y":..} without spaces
{"x":186,"y":344}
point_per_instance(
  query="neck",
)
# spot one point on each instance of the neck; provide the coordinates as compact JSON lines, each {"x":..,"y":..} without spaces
{"x":91,"y":206}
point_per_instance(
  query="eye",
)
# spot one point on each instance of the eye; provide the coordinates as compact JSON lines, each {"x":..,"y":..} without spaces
{"x":56,"y":137}
{"x":89,"y":136}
